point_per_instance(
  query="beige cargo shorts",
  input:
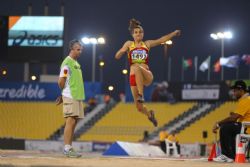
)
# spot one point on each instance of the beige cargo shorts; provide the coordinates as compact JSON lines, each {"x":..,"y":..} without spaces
{"x":72,"y":108}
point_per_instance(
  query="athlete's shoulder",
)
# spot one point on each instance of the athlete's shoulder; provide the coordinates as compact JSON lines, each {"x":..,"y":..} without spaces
{"x":146,"y":44}
{"x":128,"y":43}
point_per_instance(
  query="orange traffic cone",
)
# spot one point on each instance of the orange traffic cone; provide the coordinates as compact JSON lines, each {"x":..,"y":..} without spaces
{"x":240,"y":154}
{"x":212,"y":153}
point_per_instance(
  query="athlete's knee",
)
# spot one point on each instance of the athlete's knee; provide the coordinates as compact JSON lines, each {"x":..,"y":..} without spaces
{"x":152,"y":77}
{"x":148,"y":82}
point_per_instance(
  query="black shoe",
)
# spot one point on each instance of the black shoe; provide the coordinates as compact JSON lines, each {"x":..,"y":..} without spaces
{"x":152,"y":118}
{"x":140,"y":98}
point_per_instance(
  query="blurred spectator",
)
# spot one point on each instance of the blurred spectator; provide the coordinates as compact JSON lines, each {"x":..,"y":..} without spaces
{"x":230,"y":91}
{"x":172,"y":137}
{"x":107,"y":99}
{"x":99,"y":98}
{"x":162,"y":136}
{"x":91,"y":105}
{"x":161,"y":93}
{"x":92,"y":101}
{"x":231,"y":125}
{"x":122,"y":97}
{"x":155,"y":95}
{"x":161,"y":142}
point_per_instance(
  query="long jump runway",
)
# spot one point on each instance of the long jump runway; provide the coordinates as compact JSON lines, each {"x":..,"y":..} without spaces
{"x":13,"y":158}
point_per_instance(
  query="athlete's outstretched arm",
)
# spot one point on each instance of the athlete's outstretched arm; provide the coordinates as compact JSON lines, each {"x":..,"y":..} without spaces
{"x":153,"y":43}
{"x":123,"y":50}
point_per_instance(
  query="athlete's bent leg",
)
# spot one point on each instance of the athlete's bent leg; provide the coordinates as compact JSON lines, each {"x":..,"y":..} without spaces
{"x":142,"y":108}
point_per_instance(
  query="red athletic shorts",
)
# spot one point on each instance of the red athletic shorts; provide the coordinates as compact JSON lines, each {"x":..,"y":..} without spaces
{"x":132,"y":80}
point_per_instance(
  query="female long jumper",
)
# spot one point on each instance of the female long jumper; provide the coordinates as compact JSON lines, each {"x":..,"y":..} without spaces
{"x":138,"y":56}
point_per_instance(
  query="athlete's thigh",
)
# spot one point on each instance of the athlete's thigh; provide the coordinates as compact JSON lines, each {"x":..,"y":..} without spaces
{"x":147,"y":77}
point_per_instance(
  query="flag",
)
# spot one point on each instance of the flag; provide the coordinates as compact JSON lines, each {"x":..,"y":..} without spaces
{"x":205,"y":64}
{"x":231,"y":62}
{"x":246,"y":59}
{"x":217,"y":66}
{"x":186,"y":63}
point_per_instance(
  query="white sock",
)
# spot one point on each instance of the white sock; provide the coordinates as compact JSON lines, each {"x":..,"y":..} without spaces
{"x":67,"y":147}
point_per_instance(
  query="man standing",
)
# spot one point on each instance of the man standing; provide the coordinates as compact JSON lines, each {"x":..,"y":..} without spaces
{"x":71,"y":83}
{"x":231,"y":126}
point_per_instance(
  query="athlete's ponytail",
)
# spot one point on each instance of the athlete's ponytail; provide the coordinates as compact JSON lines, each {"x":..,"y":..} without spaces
{"x":133,"y":23}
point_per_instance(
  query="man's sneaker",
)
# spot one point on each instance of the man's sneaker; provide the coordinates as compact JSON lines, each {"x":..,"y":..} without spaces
{"x":71,"y":153}
{"x":152,"y":118}
{"x":140,"y":98}
{"x":222,"y":158}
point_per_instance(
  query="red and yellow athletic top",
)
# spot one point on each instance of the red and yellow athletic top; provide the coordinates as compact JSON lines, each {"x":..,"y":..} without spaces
{"x":138,"y":54}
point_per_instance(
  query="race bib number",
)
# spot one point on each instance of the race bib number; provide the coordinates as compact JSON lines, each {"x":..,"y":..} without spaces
{"x":139,"y":56}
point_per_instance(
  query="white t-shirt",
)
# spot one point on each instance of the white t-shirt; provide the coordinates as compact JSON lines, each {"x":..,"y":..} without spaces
{"x":65,"y":72}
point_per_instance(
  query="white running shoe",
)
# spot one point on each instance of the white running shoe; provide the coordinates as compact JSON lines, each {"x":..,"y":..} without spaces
{"x":71,"y":153}
{"x":223,"y":158}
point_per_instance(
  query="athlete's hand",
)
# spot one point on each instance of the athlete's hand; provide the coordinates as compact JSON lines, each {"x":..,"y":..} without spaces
{"x":177,"y":32}
{"x":123,"y":50}
{"x":59,"y":100}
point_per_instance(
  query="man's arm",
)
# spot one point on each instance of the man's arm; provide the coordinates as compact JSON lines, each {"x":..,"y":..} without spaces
{"x":61,"y":84}
{"x":232,"y":118}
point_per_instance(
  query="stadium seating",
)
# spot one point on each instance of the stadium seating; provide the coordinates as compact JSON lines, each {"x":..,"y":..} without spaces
{"x":124,"y":123}
{"x":193,"y":133}
{"x":29,"y":120}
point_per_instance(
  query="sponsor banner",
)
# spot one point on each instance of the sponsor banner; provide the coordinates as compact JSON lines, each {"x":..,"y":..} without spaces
{"x":191,"y":150}
{"x":36,"y":31}
{"x":83,"y":146}
{"x":56,"y":146}
{"x":43,"y":145}
{"x":100,"y":146}
{"x":29,"y":91}
{"x":200,"y":92}
{"x":205,"y":91}
{"x":20,"y":91}
{"x":172,"y":92}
